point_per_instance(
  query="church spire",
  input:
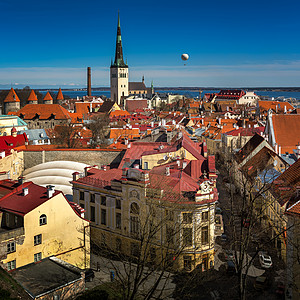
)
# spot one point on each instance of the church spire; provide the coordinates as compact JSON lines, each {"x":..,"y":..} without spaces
{"x":119,"y":62}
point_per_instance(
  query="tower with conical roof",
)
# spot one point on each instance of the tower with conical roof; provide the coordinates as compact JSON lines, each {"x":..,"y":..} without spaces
{"x":118,"y":72}
{"x":32,"y":99}
{"x":48,"y":98}
{"x":11,"y":102}
{"x":60,"y":97}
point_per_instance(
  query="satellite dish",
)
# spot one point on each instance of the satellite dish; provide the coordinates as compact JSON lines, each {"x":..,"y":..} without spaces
{"x":184,"y":57}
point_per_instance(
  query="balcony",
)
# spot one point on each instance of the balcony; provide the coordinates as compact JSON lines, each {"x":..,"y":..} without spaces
{"x":6,"y":234}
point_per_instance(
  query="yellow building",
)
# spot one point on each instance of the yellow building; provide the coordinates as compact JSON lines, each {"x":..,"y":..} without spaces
{"x":7,"y":122}
{"x":38,"y":222}
{"x":166,"y":213}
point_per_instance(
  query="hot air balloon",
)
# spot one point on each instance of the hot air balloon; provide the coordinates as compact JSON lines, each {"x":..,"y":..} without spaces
{"x":184,"y":57}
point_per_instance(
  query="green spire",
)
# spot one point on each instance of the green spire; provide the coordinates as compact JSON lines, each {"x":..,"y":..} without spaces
{"x":119,"y":62}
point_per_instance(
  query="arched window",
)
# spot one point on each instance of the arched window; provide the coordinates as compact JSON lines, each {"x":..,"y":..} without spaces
{"x":134,"y":208}
{"x":134,"y":219}
{"x":43,"y":220}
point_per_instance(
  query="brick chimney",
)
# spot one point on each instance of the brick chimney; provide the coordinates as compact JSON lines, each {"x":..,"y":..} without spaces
{"x":89,"y":82}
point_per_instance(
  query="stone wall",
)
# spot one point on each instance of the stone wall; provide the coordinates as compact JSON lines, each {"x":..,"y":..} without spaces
{"x":90,"y":157}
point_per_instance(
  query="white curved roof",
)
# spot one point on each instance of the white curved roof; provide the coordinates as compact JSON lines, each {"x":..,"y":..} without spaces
{"x":57,"y":173}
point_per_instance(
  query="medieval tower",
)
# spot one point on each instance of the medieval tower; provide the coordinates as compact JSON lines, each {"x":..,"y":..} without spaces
{"x":118,"y":72}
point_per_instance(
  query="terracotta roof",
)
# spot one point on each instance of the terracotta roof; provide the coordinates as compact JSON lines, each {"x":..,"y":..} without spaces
{"x":276,"y":106}
{"x":59,"y":95}
{"x":12,"y":96}
{"x":44,"y":111}
{"x":287,"y":183}
{"x":32,"y":96}
{"x":117,"y":113}
{"x":287,"y":131}
{"x":17,"y":203}
{"x":246,"y":131}
{"x":116,"y":133}
{"x":249,"y":147}
{"x":48,"y":97}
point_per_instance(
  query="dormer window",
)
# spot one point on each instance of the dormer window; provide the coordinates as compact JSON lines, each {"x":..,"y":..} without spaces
{"x":43,"y":220}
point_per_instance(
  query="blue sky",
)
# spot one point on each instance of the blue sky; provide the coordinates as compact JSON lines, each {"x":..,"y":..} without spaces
{"x":230,"y":43}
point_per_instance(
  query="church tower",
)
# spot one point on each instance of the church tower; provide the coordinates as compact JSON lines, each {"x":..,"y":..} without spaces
{"x":118,"y":72}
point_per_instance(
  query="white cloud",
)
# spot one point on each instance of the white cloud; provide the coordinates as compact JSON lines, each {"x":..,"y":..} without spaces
{"x":279,"y":73}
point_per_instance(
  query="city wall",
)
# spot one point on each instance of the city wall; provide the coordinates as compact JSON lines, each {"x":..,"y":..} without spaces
{"x":87,"y":156}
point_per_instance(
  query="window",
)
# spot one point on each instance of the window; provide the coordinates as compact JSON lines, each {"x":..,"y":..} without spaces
{"x":152,"y":254}
{"x":145,"y":165}
{"x":11,"y":247}
{"x":43,"y":220}
{"x":103,"y":216}
{"x":92,"y":213}
{"x":103,"y":200}
{"x":37,"y":256}
{"x":204,"y":235}
{"x":134,"y":249}
{"x":11,"y":265}
{"x":37,"y":239}
{"x":170,"y":234}
{"x":169,"y":215}
{"x":134,"y":225}
{"x":81,"y":195}
{"x":92,"y":198}
{"x":134,"y":208}
{"x":187,"y":237}
{"x":205,"y":216}
{"x":118,"y":220}
{"x":118,"y":244}
{"x":187,"y":218}
{"x":118,"y":203}
{"x":187,"y":262}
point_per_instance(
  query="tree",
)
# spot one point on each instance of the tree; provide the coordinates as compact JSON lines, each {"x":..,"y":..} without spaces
{"x":249,"y":205}
{"x":165,"y":231}
{"x":66,"y":135}
{"x":99,"y":127}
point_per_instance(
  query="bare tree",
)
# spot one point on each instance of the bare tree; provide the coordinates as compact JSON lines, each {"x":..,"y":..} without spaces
{"x":161,"y":233}
{"x":99,"y":127}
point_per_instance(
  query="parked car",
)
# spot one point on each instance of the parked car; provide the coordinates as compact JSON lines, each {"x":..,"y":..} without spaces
{"x":89,"y":275}
{"x":265,"y":260}
{"x":260,"y":283}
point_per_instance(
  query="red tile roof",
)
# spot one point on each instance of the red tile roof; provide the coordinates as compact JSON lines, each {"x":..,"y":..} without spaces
{"x":133,"y":105}
{"x":246,"y":131}
{"x":32,"y":96}
{"x":48,"y":96}
{"x":276,"y":106}
{"x":17,"y":203}
{"x":44,"y":111}
{"x":287,"y":183}
{"x":287,"y":131}
{"x":12,"y":96}
{"x":59,"y":95}
{"x":9,"y":142}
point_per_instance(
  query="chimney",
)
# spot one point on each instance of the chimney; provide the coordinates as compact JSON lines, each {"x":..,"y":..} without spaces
{"x":167,"y":171}
{"x":75,"y":175}
{"x":25,"y":191}
{"x":2,"y":154}
{"x":20,"y":180}
{"x":298,"y":151}
{"x":89,"y":82}
{"x":104,"y":167}
{"x":50,"y":190}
